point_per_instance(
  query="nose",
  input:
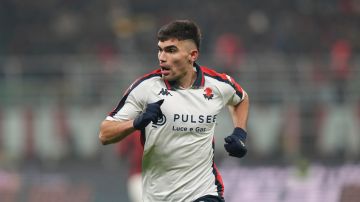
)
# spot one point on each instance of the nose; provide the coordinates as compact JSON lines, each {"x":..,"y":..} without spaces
{"x":161,"y":56}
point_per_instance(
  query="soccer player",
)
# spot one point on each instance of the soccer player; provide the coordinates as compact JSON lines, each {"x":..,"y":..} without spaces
{"x":175,"y":107}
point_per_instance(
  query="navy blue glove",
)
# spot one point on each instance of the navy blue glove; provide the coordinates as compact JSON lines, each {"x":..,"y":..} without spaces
{"x":151,"y":113}
{"x":235,"y":143}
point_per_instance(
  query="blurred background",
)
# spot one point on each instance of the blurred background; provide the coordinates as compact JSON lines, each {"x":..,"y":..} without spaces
{"x":64,"y":65}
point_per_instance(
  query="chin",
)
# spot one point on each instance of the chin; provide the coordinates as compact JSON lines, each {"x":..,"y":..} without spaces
{"x":168,"y":78}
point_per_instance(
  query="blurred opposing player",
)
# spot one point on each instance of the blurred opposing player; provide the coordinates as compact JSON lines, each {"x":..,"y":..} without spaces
{"x":131,"y":149}
{"x":175,"y":107}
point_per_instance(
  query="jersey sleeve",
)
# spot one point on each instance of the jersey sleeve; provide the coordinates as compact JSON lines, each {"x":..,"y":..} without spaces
{"x":131,"y":104}
{"x":233,"y":93}
{"x":134,"y":99}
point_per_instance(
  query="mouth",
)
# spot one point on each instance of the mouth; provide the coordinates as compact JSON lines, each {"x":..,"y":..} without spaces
{"x":165,"y":70}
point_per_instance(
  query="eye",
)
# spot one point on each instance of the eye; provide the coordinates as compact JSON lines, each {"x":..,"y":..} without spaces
{"x":172,"y":50}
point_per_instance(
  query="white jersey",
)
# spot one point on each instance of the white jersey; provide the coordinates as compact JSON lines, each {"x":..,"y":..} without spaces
{"x":178,"y":161}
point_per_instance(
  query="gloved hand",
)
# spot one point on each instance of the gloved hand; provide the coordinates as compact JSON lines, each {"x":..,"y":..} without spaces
{"x":151,"y":113}
{"x":235,"y":143}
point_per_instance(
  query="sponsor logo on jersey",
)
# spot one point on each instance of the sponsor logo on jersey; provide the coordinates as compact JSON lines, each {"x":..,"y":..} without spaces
{"x":179,"y":121}
{"x":165,"y":92}
{"x":161,"y":121}
{"x":195,"y":121}
{"x":208,"y":93}
{"x":189,"y":118}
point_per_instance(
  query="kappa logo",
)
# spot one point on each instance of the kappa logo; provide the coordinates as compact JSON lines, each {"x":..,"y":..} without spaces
{"x":208,"y":93}
{"x":165,"y":92}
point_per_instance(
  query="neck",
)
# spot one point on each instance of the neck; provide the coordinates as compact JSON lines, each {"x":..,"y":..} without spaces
{"x":188,"y":80}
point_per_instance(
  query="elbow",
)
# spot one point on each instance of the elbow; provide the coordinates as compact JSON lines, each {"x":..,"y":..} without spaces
{"x":112,"y":132}
{"x":103,"y":139}
{"x":246,"y":98}
{"x":102,"y":135}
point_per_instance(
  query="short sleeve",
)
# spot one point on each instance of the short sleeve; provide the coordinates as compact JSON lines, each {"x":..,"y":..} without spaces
{"x":131,"y":104}
{"x":233,"y":93}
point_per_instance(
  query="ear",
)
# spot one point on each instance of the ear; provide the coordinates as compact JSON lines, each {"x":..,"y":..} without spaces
{"x":194,"y":54}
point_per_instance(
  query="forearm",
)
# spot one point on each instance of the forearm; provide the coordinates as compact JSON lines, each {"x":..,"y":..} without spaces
{"x":235,"y":143}
{"x":240,"y":113}
{"x":114,"y":131}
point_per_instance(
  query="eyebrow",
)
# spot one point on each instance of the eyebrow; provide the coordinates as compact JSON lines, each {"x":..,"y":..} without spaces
{"x":168,"y":47}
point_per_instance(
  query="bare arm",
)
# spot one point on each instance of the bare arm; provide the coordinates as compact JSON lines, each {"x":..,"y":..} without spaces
{"x":239,"y":113}
{"x":114,"y":131}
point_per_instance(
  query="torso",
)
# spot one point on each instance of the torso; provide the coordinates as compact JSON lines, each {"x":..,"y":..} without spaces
{"x":179,"y":150}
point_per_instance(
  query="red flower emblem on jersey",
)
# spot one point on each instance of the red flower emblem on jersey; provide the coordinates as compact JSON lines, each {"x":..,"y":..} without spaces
{"x":208,"y":93}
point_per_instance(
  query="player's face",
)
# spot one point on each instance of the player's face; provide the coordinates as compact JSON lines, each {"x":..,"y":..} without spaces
{"x":176,"y":58}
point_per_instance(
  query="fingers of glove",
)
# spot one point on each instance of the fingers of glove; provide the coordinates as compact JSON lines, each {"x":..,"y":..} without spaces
{"x":152,"y":108}
{"x":154,"y":116}
{"x":239,"y":153}
{"x":229,"y":139}
{"x":156,"y":104}
{"x":155,"y":119}
{"x":234,"y":145}
{"x":159,"y":102}
{"x":160,"y":114}
{"x":235,"y":140}
{"x":231,"y":148}
{"x":146,"y":122}
{"x":228,"y":147}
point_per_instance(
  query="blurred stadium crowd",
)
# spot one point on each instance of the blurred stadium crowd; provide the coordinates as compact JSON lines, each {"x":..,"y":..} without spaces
{"x":122,"y":26}
{"x":64,"y":64}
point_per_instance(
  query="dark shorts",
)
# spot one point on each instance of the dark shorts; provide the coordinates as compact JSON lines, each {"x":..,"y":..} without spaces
{"x":210,"y":198}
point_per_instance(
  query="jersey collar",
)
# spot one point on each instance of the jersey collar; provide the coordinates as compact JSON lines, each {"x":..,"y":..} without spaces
{"x":199,"y":81}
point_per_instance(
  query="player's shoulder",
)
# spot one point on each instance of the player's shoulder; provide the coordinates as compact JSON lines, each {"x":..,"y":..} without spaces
{"x":219,"y":77}
{"x":156,"y":74}
{"x":221,"y":80}
{"x":146,"y":80}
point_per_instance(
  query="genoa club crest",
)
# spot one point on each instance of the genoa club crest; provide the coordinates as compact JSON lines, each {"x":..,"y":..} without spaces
{"x":208,"y":93}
